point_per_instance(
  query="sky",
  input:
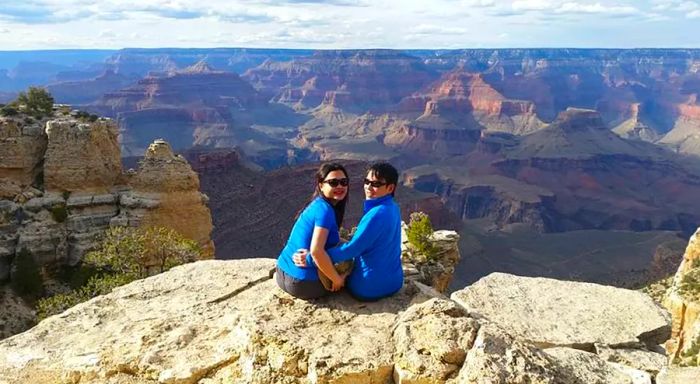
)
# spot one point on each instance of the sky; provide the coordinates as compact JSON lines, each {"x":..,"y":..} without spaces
{"x":348,"y":24}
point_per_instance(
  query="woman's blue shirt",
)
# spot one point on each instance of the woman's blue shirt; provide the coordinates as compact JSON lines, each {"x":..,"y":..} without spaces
{"x":319,"y":213}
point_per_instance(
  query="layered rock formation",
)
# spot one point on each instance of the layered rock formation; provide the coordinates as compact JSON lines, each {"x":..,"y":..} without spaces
{"x":91,"y":90}
{"x":165,"y":192}
{"x":81,"y":156}
{"x":22,"y":145}
{"x":193,"y":106}
{"x":232,"y":324}
{"x":350,"y":80}
{"x":573,"y":174}
{"x":63,"y":186}
{"x":683,"y":301}
{"x":466,"y":100}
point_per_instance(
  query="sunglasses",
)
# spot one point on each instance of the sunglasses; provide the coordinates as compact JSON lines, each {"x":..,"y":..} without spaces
{"x":375,"y":184}
{"x":336,"y":182}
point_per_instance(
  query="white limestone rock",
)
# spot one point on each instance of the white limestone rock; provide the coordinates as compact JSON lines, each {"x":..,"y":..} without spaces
{"x":550,"y":312}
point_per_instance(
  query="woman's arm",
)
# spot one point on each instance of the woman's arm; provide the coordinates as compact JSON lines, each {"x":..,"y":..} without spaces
{"x":321,"y":258}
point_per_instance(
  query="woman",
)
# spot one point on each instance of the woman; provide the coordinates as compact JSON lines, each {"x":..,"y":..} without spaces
{"x":316,"y":229}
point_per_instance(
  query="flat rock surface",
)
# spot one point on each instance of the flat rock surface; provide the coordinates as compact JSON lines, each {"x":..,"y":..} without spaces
{"x":677,"y":375}
{"x":551,"y":312}
{"x":223,"y":322}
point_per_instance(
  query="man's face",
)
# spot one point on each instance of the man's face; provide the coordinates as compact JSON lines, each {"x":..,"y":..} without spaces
{"x":376,"y":188}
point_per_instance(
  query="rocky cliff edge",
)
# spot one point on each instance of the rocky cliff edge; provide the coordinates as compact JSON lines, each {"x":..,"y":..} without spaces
{"x":227,"y":322}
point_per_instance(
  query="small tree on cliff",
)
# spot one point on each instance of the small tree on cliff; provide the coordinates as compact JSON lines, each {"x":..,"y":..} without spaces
{"x":143,"y":251}
{"x":124,"y":255}
{"x":37,"y":102}
{"x":419,"y":231}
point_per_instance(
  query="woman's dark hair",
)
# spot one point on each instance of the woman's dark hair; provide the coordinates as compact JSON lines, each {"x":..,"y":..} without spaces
{"x":321,"y":174}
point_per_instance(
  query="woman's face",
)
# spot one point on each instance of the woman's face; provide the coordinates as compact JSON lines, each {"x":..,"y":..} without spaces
{"x":332,"y":186}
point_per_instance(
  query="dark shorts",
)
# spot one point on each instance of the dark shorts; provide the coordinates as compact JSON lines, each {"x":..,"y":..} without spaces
{"x":303,"y":289}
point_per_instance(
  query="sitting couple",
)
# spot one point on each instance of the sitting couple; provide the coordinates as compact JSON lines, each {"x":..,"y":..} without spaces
{"x":314,"y":245}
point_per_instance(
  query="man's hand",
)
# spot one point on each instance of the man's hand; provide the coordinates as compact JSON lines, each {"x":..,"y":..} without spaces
{"x":300,"y":257}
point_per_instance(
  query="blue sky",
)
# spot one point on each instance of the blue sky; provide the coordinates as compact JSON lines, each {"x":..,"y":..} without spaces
{"x":401,"y":24}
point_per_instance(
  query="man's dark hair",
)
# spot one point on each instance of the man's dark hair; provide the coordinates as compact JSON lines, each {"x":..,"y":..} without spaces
{"x":385,"y":171}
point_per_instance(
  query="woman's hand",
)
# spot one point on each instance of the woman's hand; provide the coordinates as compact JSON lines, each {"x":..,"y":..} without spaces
{"x":339,"y":283}
{"x":299,"y":257}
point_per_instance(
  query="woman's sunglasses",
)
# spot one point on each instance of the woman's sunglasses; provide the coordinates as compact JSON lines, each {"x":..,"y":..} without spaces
{"x":375,"y":184}
{"x":336,"y":182}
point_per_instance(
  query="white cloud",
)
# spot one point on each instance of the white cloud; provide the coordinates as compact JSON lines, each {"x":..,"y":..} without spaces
{"x":533,"y":5}
{"x":429,"y":29}
{"x":596,"y":8}
{"x":350,"y":23}
{"x":479,"y":3}
{"x":106,"y":34}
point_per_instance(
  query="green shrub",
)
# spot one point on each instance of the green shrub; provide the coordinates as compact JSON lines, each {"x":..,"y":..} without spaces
{"x":8,"y":110}
{"x":125,"y":254}
{"x":419,"y":232}
{"x":143,"y":251}
{"x":26,"y":279}
{"x":59,"y":212}
{"x":690,"y":284}
{"x":37,"y":102}
{"x":65,"y":195}
{"x":690,"y":357}
{"x":95,"y":286}
{"x":86,"y":117}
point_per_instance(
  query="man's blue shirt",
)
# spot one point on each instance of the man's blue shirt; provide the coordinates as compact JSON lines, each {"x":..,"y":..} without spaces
{"x":319,"y":213}
{"x":376,"y":248}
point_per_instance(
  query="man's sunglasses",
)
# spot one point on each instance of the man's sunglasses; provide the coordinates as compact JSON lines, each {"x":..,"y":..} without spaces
{"x":336,"y":182}
{"x":375,"y":184}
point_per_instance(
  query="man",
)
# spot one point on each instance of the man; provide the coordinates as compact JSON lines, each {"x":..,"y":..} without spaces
{"x":376,"y":245}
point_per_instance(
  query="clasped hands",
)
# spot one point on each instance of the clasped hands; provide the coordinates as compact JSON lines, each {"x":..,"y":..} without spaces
{"x":337,"y":281}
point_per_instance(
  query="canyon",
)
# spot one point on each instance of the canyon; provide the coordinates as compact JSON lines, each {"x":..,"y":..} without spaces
{"x":561,"y":141}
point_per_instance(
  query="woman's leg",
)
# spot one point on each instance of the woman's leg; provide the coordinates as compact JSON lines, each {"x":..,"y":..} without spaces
{"x":303,"y":289}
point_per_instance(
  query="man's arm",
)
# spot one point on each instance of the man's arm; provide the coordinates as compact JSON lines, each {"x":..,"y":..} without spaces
{"x":368,"y":231}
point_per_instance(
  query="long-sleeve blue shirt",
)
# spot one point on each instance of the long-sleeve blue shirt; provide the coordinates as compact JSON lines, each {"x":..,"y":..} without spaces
{"x":376,"y":248}
{"x":319,"y":213}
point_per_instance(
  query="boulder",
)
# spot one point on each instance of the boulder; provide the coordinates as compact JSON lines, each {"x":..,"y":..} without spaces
{"x":432,"y":340}
{"x":550,"y":312}
{"x":640,"y":359}
{"x":589,"y":368}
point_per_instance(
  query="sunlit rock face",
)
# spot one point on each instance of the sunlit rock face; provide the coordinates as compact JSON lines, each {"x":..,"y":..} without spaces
{"x":62,"y":186}
{"x":683,"y":301}
{"x":81,"y":156}
{"x":232,"y":324}
{"x":22,"y":146}
{"x":465,"y":99}
{"x":164,"y":192}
